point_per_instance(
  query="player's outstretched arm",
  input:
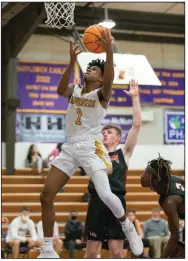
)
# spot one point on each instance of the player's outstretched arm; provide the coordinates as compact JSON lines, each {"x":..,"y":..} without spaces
{"x":170,"y":209}
{"x":64,"y":89}
{"x":108,"y":77}
{"x":132,"y":136}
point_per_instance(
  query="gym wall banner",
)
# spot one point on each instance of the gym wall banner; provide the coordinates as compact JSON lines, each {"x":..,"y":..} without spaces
{"x":37,"y":87}
{"x":41,"y":128}
{"x":170,"y":94}
{"x":174,"y":127}
{"x":50,"y":128}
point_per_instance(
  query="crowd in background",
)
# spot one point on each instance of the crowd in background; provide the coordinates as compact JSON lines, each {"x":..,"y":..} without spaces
{"x":22,"y":234}
{"x":35,"y":161}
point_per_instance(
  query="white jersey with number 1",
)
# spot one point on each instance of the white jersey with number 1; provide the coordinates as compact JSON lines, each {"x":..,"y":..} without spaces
{"x":84,"y":113}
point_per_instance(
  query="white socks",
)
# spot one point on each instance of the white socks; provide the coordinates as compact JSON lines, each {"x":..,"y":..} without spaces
{"x":48,"y":244}
{"x":126,"y":222}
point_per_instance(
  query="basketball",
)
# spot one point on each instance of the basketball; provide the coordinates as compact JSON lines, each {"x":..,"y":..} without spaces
{"x":91,"y":38}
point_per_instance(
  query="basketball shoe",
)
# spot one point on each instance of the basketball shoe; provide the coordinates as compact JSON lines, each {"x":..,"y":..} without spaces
{"x":135,"y":242}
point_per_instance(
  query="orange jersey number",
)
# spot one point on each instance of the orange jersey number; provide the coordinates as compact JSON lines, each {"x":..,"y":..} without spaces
{"x":78,"y":121}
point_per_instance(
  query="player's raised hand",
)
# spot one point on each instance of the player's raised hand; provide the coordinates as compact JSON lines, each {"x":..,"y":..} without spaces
{"x":106,"y":40}
{"x":133,"y":91}
{"x":74,"y":52}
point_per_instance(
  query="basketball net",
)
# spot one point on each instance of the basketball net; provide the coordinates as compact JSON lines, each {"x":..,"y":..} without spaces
{"x":60,"y":14}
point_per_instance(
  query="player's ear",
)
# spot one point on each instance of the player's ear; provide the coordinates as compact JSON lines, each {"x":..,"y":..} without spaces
{"x":119,"y":139}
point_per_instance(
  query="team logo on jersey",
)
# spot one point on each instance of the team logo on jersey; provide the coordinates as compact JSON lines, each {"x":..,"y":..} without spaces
{"x":83,"y":102}
{"x":93,"y":234}
{"x":114,"y":157}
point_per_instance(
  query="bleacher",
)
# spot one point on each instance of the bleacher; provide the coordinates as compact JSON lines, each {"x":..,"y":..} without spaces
{"x":23,"y":189}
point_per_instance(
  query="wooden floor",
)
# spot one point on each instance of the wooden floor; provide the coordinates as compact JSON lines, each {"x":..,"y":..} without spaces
{"x":23,"y":189}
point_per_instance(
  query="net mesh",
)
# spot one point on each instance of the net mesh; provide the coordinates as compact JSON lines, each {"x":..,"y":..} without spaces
{"x":60,"y":14}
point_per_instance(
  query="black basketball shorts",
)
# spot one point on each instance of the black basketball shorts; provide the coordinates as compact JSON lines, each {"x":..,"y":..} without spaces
{"x":101,"y":224}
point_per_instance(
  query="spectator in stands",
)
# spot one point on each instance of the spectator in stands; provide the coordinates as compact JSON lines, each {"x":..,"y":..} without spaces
{"x":56,"y":240}
{"x":73,"y":234}
{"x":34,"y":159}
{"x":131,"y":214}
{"x":53,"y":154}
{"x":17,"y":233}
{"x":4,"y":220}
{"x":156,"y":231}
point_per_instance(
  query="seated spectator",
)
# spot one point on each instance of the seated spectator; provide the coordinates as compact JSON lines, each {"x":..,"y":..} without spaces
{"x":53,"y":154}
{"x":131,"y":214}
{"x":73,"y":234}
{"x":4,"y":220}
{"x":17,"y":233}
{"x":56,"y":240}
{"x":34,"y":159}
{"x":156,"y":231}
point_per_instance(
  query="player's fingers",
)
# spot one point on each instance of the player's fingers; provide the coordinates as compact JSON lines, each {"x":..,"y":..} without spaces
{"x":71,"y":45}
{"x":110,"y":38}
{"x":126,"y":92}
{"x":101,"y":42}
{"x":108,"y":34}
{"x":76,"y":47}
{"x":79,"y":52}
{"x":103,"y":34}
{"x":133,"y":82}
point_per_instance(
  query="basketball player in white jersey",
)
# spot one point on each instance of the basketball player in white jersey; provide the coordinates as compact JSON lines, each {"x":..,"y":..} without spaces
{"x":87,"y":107}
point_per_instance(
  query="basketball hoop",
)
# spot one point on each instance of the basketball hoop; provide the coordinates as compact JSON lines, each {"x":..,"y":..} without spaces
{"x":60,"y":14}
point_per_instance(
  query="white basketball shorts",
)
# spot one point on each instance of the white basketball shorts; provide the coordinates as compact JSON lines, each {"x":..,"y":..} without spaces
{"x":87,"y":152}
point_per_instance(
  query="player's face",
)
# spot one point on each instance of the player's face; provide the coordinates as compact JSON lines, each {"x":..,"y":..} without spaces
{"x":110,"y":137}
{"x":145,"y":179}
{"x":93,"y":74}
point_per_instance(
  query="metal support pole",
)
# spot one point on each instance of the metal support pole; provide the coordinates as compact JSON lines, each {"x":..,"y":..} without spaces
{"x":11,"y":103}
{"x":78,"y":39}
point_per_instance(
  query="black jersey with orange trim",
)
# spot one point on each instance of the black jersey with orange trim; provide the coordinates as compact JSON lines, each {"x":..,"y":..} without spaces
{"x":176,"y":188}
{"x":119,"y":174}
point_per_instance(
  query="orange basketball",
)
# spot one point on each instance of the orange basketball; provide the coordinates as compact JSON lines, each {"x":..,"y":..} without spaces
{"x":91,"y":35}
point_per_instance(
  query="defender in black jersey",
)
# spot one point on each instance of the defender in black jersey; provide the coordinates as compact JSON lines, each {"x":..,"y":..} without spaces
{"x":171,"y":189}
{"x":101,"y":224}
